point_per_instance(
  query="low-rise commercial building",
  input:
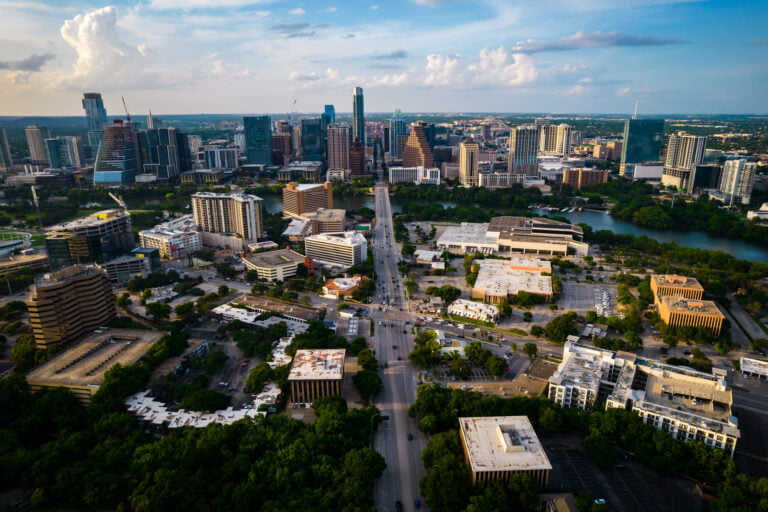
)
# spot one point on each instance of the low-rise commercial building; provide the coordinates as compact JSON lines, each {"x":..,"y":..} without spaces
{"x":316,"y":374}
{"x":418,"y":175}
{"x":66,"y":304}
{"x":688,"y":404}
{"x":290,"y":310}
{"x":339,"y":249}
{"x":498,"y":279}
{"x":342,"y":286}
{"x":203,"y":177}
{"x":674,"y":285}
{"x":141,"y":261}
{"x":81,"y":367}
{"x":682,"y":312}
{"x":498,"y":447}
{"x":276,"y":265}
{"x":751,"y":367}
{"x":474,"y":310}
{"x":14,"y":263}
{"x":174,"y":239}
{"x":505,"y":235}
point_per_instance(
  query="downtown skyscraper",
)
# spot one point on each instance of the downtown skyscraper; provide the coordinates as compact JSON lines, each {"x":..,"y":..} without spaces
{"x":258,"y":139}
{"x":338,"y":146}
{"x":523,"y":151}
{"x":417,"y":151}
{"x":6,"y":161}
{"x":95,"y":113}
{"x":36,"y":137}
{"x":684,"y":152}
{"x":118,"y":160}
{"x":469,"y":155}
{"x":358,"y":115}
{"x":397,"y":127}
{"x":642,"y":142}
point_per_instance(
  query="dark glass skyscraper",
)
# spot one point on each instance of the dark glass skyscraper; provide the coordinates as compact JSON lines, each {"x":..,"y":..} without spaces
{"x":118,"y":159}
{"x":330,"y":114}
{"x":95,"y":113}
{"x":642,"y":141}
{"x":162,"y":154}
{"x":258,"y":139}
{"x":312,"y":140}
{"x":358,"y":115}
{"x":396,"y":127}
{"x":6,"y":162}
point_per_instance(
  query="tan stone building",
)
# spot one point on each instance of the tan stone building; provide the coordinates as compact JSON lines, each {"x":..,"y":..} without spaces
{"x":417,"y":151}
{"x":680,"y":312}
{"x":498,"y":447}
{"x":316,"y":374}
{"x":65,"y":305}
{"x":469,"y":153}
{"x":307,"y":198}
{"x":578,"y":178}
{"x":674,"y":285}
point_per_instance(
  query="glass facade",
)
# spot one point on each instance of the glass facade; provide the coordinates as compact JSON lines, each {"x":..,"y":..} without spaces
{"x":642,"y":140}
{"x":258,"y":139}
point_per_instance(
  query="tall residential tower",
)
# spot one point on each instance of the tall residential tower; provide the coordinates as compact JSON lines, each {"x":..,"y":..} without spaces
{"x":258,"y":139}
{"x":523,"y":151}
{"x":469,"y":154}
{"x":358,"y":115}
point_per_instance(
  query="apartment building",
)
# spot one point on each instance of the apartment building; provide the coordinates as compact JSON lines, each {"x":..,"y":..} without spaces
{"x":299,"y":199}
{"x":340,"y":249}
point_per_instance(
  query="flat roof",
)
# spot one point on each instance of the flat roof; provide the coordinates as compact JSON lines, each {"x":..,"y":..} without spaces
{"x":308,"y":186}
{"x":755,"y":366}
{"x":464,"y":305}
{"x":467,"y":233}
{"x":502,"y":277}
{"x":329,"y":215}
{"x":342,"y":238}
{"x":676,"y":281}
{"x":508,"y":226}
{"x":85,"y":362}
{"x":172,"y":228}
{"x":291,"y":309}
{"x":93,"y":219}
{"x":318,"y":364}
{"x":275,"y":258}
{"x":503,"y":443}
{"x":691,"y":306}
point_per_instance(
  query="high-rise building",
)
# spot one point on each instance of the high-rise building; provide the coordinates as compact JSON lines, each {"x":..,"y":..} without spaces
{"x":282,"y":148}
{"x":469,"y":154}
{"x":95,"y":113}
{"x":396,"y":127}
{"x":523,"y":151}
{"x":258,"y":139}
{"x":221,"y":158}
{"x":97,"y":237}
{"x":69,"y":303}
{"x":329,"y":116}
{"x":162,"y":154}
{"x":195,"y":143}
{"x":563,"y":144}
{"x":547,"y":138}
{"x":306,"y":198}
{"x":6,"y":161}
{"x":312,"y":140}
{"x":233,"y":214}
{"x":684,"y":152}
{"x":358,"y":115}
{"x":117,"y":161}
{"x":36,"y":136}
{"x":642,"y":142}
{"x":183,"y":152}
{"x":737,"y":181}
{"x":417,"y":151}
{"x":357,"y":158}
{"x":65,"y":152}
{"x":338,"y":146}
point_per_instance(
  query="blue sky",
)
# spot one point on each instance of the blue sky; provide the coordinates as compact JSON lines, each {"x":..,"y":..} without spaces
{"x":218,"y":56}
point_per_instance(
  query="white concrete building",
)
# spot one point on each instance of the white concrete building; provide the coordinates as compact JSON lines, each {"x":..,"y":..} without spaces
{"x":474,"y":310}
{"x":316,"y":373}
{"x":340,"y":249}
{"x":174,"y":239}
{"x":688,"y":404}
{"x":419,"y":175}
{"x":498,"y":279}
{"x":274,"y":265}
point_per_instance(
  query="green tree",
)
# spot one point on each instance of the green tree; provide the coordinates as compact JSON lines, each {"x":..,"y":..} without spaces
{"x":23,"y":353}
{"x":258,"y":377}
{"x":460,"y":369}
{"x":158,"y":311}
{"x":560,"y":327}
{"x":600,"y":449}
{"x":530,"y":349}
{"x":367,"y":360}
{"x":368,"y":384}
{"x":223,"y":290}
{"x":495,"y":366}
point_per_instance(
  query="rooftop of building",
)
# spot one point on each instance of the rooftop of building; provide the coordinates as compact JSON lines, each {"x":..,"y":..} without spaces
{"x":343,"y":238}
{"x":503,"y":443}
{"x":204,"y":171}
{"x":303,"y":187}
{"x":676,"y":281}
{"x":344,"y":283}
{"x":690,"y":306}
{"x":499,"y":277}
{"x":328,"y":215}
{"x":508,"y":226}
{"x":467,"y":232}
{"x":21,"y":259}
{"x":756,"y":366}
{"x":65,"y":274}
{"x":173,"y":227}
{"x":291,"y":309}
{"x":297,"y":227}
{"x":474,"y":307}
{"x":238,"y":196}
{"x":93,"y":219}
{"x":318,"y":364}
{"x":85,"y":362}
{"x":275,"y":258}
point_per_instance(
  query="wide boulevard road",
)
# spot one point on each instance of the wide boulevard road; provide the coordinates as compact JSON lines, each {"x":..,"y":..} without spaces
{"x":393,"y":343}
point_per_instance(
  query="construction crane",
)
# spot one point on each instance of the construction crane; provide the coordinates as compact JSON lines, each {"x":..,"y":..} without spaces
{"x":118,"y":200}
{"x":127,"y":115}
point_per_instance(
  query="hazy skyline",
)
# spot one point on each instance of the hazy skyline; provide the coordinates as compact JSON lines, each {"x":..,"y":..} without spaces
{"x":195,"y":56}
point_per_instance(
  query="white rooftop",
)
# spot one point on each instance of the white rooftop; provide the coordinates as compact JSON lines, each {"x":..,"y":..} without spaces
{"x":502,"y":277}
{"x":468,"y":232}
{"x":319,"y":364}
{"x":502,"y":443}
{"x":309,"y":186}
{"x":467,"y":306}
{"x":755,"y":366}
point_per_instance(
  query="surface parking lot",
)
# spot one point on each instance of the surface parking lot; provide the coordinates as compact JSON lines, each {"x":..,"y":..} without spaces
{"x":628,"y":486}
{"x":582,"y":297}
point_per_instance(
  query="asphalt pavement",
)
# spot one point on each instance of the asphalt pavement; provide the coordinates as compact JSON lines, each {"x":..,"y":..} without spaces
{"x":393,"y":343}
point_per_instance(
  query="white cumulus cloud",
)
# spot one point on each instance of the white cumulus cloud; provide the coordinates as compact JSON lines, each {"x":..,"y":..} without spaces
{"x":297,"y":12}
{"x":493,"y":67}
{"x":103,"y":59}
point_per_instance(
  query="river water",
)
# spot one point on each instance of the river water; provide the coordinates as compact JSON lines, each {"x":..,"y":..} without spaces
{"x":740,"y":249}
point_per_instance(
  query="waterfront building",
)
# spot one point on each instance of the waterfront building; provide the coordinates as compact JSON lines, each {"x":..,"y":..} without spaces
{"x":523,"y":151}
{"x":642,"y":142}
{"x":684,"y":152}
{"x":469,"y":153}
{"x":258,"y":139}
{"x":299,"y":199}
{"x":737,"y":181}
{"x":97,"y":237}
{"x":228,"y":214}
{"x":226,"y":159}
{"x":418,"y":175}
{"x":580,"y":177}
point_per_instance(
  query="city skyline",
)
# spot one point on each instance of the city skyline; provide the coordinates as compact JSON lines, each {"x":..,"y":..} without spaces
{"x":432,"y":55}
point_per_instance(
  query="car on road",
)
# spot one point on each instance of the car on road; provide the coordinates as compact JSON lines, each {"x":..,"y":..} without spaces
{"x":394,"y":347}
{"x":416,"y":504}
{"x":398,"y":505}
{"x":410,"y":436}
